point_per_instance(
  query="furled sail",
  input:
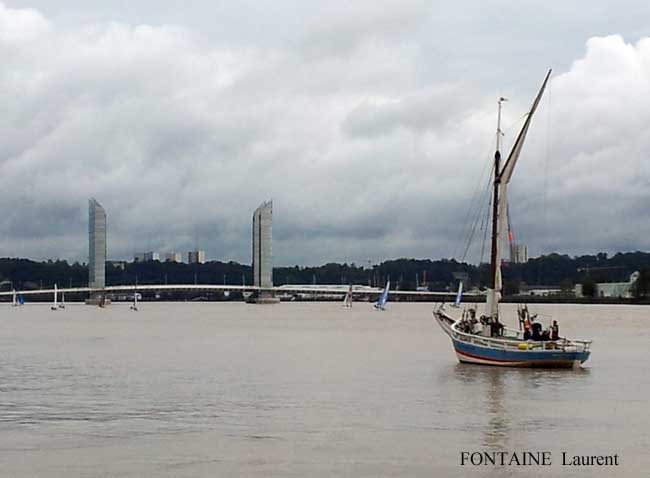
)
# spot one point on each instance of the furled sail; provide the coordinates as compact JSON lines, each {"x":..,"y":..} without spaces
{"x":502,"y":178}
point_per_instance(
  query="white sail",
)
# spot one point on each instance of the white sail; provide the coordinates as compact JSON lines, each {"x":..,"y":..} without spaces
{"x":56,"y":298}
{"x":347,"y":301}
{"x":134,"y":305}
{"x":459,"y":294}
{"x":502,"y":178}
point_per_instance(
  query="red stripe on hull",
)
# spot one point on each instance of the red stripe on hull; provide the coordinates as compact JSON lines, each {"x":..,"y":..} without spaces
{"x":514,"y":363}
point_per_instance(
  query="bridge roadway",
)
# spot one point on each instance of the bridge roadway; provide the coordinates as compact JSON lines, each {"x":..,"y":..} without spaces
{"x":298,"y":289}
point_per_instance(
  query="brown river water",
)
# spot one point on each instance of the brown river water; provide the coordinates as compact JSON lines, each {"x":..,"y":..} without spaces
{"x":306,"y":389}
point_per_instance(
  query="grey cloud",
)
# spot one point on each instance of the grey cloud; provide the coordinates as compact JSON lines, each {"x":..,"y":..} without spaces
{"x":369,"y":124}
{"x":419,"y":112}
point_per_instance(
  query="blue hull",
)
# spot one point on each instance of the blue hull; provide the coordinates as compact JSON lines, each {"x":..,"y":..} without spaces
{"x":515,"y":358}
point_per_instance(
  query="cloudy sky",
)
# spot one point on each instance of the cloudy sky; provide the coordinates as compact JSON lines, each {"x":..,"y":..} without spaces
{"x":369,"y":122}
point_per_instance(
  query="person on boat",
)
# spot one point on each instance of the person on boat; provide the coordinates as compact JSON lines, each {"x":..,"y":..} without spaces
{"x":555,"y":331}
{"x":537,"y":330}
{"x":496,"y":328}
{"x":526,"y":328}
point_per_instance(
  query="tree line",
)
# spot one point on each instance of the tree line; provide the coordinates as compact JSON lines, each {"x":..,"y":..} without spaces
{"x":436,"y":275}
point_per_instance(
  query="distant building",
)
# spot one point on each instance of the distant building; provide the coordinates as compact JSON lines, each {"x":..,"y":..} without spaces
{"x":173,"y":257}
{"x":146,"y":256}
{"x":540,"y":290}
{"x":196,"y":257}
{"x":118,"y":264}
{"x":617,"y":289}
{"x":262,"y":251}
{"x":518,"y":253}
{"x":151,"y":256}
{"x":96,"y":245}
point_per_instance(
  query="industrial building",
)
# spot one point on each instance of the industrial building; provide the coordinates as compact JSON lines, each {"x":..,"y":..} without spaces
{"x":617,"y":289}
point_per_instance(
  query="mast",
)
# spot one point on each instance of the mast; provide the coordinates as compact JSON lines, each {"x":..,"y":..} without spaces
{"x":495,"y":201}
{"x":502,"y":177}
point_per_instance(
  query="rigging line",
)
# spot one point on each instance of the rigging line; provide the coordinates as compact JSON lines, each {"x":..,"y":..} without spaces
{"x":486,"y":221}
{"x":477,"y":217}
{"x":475,"y":221}
{"x":545,"y":190}
{"x":467,"y":222}
{"x":484,"y":213}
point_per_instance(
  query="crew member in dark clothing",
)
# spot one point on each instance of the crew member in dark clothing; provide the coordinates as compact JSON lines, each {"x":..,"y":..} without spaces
{"x":555,"y":331}
{"x":537,"y":331}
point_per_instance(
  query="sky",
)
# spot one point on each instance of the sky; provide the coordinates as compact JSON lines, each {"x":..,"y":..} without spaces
{"x":369,"y":123}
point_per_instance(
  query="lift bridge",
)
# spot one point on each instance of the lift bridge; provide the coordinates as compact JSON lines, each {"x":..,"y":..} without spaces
{"x":359,"y":291}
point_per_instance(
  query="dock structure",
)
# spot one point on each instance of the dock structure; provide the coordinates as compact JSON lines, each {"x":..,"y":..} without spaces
{"x":263,"y":254}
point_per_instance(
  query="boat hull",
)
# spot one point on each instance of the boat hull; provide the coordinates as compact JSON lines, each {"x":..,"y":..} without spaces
{"x":484,"y":355}
{"x":469,"y":353}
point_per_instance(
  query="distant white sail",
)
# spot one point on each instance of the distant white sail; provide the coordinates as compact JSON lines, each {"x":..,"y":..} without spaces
{"x":459,"y":294}
{"x":347,"y":301}
{"x":134,"y":306}
{"x":55,"y":305}
{"x":383,"y":298}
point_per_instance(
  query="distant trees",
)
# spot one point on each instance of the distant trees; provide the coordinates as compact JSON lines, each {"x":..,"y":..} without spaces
{"x":589,"y":287}
{"x":566,"y":286}
{"x":405,"y":274}
{"x":511,"y":287}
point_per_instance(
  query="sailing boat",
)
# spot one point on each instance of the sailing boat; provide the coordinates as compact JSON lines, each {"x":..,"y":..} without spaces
{"x":485,"y":340}
{"x":383,"y":298}
{"x":347,"y":301}
{"x":459,"y":295}
{"x":134,"y":306}
{"x":62,"y":304}
{"x":55,"y":305}
{"x":14,"y":300}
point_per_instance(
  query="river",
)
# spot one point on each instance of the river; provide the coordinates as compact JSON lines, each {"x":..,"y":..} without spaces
{"x":305,"y":389}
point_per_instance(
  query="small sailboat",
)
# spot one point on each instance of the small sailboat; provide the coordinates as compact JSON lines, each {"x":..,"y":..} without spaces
{"x":459,"y":295}
{"x":21,"y":300}
{"x":134,"y":305}
{"x":383,"y":298}
{"x":485,"y":340}
{"x":55,"y":305}
{"x":14,"y":299}
{"x":347,"y":300}
{"x":62,"y":304}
